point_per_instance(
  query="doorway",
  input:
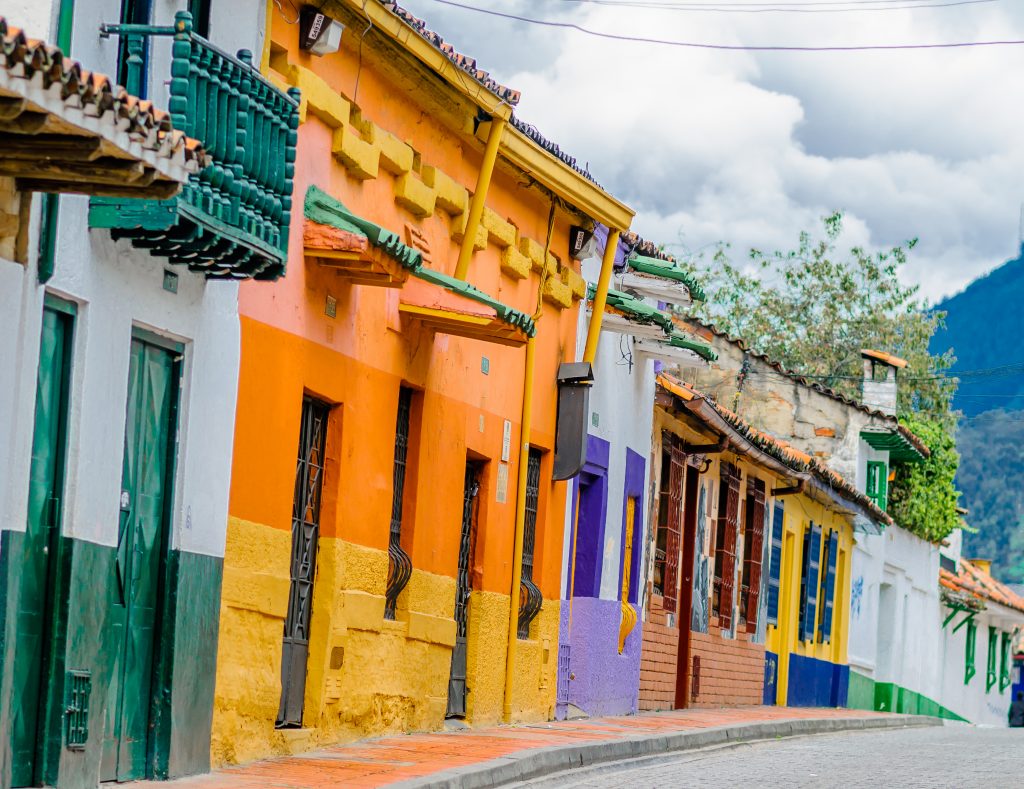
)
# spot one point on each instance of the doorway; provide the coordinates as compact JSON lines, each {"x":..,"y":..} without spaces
{"x":144,"y":519}
{"x":32,"y":658}
{"x":463,"y":587}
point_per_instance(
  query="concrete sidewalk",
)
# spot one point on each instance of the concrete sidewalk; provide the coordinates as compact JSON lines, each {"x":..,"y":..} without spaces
{"x":504,"y":754}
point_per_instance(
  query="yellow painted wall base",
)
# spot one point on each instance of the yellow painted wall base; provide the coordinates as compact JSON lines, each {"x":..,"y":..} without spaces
{"x":366,"y":676}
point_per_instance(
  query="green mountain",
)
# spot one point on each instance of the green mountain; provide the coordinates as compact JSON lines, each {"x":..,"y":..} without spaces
{"x":985,"y":328}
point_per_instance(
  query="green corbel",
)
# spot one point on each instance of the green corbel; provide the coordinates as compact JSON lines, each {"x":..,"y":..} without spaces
{"x":970,"y":616}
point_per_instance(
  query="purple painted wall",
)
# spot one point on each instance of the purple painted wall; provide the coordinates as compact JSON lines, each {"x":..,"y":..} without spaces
{"x":603,"y":681}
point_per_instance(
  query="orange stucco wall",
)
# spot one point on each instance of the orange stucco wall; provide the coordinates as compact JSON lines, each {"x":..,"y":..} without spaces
{"x":357,"y":361}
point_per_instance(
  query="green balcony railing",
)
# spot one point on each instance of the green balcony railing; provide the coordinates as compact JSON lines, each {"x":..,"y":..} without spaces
{"x":231,"y":218}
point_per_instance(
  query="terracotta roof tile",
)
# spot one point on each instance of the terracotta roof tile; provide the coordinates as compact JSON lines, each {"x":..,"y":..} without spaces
{"x":972,"y":580}
{"x":817,"y":386}
{"x":782,"y":451}
{"x":95,"y":93}
{"x":464,"y":62}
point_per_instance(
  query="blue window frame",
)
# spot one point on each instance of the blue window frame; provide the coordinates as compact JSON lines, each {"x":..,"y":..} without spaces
{"x":828,"y":588}
{"x":809,"y":584}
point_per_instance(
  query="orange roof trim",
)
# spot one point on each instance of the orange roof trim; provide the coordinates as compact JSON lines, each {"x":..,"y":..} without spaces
{"x":882,"y":356}
{"x":974,"y":581}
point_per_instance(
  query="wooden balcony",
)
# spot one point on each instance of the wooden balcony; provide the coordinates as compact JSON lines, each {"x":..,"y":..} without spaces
{"x":230,"y":220}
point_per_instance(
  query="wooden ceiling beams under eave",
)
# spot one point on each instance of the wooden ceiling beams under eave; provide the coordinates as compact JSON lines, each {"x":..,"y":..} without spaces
{"x":44,"y":152}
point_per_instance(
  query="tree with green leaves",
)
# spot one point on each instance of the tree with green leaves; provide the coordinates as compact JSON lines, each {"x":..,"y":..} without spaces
{"x":814,"y":308}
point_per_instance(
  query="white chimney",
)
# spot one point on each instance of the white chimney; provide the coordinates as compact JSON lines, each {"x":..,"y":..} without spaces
{"x":879,"y":388}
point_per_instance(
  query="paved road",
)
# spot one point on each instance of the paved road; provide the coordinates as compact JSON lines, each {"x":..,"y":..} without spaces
{"x":956,"y":756}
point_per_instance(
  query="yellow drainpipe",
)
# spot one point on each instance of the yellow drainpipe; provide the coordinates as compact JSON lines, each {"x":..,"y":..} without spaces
{"x":520,"y":529}
{"x":476,"y":205}
{"x":601,"y":297}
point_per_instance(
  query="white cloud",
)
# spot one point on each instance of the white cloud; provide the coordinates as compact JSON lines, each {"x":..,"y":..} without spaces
{"x":750,"y":148}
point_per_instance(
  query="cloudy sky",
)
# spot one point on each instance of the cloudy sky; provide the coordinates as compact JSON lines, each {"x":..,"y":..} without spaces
{"x":751,"y":147}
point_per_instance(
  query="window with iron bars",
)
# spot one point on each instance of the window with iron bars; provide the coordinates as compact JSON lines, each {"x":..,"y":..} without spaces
{"x":399,"y":562}
{"x":530,"y":598}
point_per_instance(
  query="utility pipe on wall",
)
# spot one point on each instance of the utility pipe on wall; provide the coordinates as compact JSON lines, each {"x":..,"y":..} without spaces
{"x":601,"y":296}
{"x":520,"y":529}
{"x":476,"y":205}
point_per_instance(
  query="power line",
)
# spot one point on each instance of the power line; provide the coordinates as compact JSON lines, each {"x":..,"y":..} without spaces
{"x":726,"y":47}
{"x":782,"y":7}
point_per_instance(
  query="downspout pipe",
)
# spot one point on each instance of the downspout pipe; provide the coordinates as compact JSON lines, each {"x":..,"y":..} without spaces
{"x":476,"y":205}
{"x":520,"y":529}
{"x":601,"y":296}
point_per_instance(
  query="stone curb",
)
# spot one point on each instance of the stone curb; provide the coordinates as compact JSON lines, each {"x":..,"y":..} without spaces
{"x":536,"y":763}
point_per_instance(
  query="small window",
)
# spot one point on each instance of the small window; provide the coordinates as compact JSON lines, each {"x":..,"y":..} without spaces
{"x":133,"y":51}
{"x":878,"y":483}
{"x":1005,"y":662}
{"x":200,"y":10}
{"x":991,"y":677}
{"x":972,"y":637}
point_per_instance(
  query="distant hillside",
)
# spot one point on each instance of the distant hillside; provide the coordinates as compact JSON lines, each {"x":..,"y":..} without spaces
{"x":985,"y":329}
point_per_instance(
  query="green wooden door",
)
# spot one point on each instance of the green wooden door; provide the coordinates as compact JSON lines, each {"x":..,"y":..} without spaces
{"x":42,"y":533}
{"x":144,"y":502}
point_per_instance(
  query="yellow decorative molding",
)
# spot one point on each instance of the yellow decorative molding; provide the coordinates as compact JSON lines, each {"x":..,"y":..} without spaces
{"x":514,"y":263}
{"x":318,"y":97}
{"x":432,"y":629}
{"x":502,"y":232}
{"x":362,"y":610}
{"x":557,"y":292}
{"x":254,"y":591}
{"x":535,"y":252}
{"x":361,"y":158}
{"x":577,"y":285}
{"x":450,"y":196}
{"x":395,"y":156}
{"x":459,"y":230}
{"x":415,"y":196}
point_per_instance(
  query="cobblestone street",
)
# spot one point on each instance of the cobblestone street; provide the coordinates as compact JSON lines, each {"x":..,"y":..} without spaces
{"x":951,"y":756}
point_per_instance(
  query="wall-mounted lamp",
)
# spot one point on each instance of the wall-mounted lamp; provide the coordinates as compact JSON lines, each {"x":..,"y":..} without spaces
{"x":318,"y":33}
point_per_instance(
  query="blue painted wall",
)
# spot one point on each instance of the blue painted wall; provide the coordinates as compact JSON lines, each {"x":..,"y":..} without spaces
{"x":816,"y":683}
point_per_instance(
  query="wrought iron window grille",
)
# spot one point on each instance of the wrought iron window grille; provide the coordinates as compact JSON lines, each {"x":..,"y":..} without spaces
{"x":399,"y":562}
{"x":530,"y":598}
{"x":309,"y":472}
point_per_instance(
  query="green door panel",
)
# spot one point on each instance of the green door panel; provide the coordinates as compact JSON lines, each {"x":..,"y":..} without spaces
{"x":135,"y":592}
{"x":42,"y":531}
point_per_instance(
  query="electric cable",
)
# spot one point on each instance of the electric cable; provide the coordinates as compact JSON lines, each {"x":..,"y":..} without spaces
{"x":729,"y":47}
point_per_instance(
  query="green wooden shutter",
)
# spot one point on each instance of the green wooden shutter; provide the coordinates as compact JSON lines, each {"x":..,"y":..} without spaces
{"x":775,"y":569}
{"x":972,"y":635}
{"x":990,"y":665}
{"x":1006,"y":662}
{"x":878,"y":483}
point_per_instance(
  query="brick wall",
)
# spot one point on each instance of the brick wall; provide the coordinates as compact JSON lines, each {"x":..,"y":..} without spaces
{"x":731,"y":670}
{"x":658,"y":660}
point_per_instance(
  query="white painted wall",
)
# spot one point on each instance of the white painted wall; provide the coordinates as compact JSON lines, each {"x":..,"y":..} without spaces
{"x":117,"y":287}
{"x":35,"y":17}
{"x":622,"y":399}
{"x":894,"y":607}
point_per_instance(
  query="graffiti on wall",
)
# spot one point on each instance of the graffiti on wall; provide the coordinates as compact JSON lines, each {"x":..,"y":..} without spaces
{"x":699,"y":617}
{"x":856,"y":595}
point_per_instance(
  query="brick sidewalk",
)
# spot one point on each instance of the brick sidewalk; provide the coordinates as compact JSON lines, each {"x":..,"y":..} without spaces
{"x":389,"y":760}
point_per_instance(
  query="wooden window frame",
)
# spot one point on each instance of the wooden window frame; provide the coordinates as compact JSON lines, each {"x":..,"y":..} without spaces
{"x":877,"y":483}
{"x":753,"y":550}
{"x":726,"y":529}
